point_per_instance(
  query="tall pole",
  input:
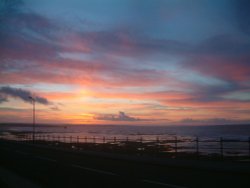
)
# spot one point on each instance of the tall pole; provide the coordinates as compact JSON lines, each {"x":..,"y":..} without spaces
{"x":34,"y":118}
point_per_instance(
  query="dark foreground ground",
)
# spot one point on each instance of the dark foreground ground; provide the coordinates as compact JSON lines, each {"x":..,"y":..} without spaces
{"x":50,"y":167}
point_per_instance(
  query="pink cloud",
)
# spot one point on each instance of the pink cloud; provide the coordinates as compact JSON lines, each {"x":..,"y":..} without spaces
{"x":229,"y":68}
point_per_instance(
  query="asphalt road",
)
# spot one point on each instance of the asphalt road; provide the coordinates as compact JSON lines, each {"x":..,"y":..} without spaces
{"x":50,"y":167}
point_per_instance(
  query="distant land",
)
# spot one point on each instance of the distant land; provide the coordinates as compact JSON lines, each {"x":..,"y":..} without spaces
{"x":63,"y":125}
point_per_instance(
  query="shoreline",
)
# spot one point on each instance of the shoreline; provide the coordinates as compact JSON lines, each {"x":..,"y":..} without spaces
{"x":133,"y":148}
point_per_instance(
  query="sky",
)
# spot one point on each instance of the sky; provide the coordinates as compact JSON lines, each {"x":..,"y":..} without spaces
{"x":133,"y":62}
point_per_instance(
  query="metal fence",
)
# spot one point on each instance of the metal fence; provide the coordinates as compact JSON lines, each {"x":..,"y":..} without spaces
{"x":222,"y":148}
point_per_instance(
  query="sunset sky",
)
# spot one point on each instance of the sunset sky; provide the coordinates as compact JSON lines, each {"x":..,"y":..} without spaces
{"x":136,"y":62}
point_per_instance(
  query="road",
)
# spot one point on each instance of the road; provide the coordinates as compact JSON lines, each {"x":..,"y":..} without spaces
{"x":51,"y":167}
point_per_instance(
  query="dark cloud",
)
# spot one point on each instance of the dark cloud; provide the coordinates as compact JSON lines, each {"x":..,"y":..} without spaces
{"x":127,"y":43}
{"x":213,"y":121}
{"x":214,"y":93}
{"x":208,"y":93}
{"x":40,"y":39}
{"x":22,"y":94}
{"x":55,"y":108}
{"x":9,"y":7}
{"x":3,"y":98}
{"x":243,"y":15}
{"x":225,"y":57}
{"x":224,"y":45}
{"x":120,"y":117}
{"x":26,"y":35}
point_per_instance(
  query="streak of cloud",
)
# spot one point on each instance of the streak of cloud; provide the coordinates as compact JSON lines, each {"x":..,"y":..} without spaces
{"x":22,"y":94}
{"x":121,"y":116}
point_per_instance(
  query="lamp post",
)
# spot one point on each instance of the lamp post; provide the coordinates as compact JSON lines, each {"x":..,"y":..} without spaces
{"x":34,"y":117}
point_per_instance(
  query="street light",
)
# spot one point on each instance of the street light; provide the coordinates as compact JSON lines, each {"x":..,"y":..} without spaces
{"x":34,"y":120}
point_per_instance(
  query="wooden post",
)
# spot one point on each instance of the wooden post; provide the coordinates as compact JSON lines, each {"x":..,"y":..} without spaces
{"x":157,"y":144}
{"x":176,"y":150}
{"x":221,"y":147}
{"x":197,"y":146}
{"x":249,"y":146}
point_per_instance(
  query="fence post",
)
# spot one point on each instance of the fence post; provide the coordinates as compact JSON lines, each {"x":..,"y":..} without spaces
{"x":221,"y":147}
{"x":77,"y":142}
{"x":94,"y":139}
{"x":249,"y":146}
{"x":197,"y":146}
{"x":176,"y":150}
{"x":114,"y":139}
{"x":127,"y":139}
{"x":104,"y":140}
{"x":141,"y":139}
{"x":86,"y":138}
{"x":157,"y":144}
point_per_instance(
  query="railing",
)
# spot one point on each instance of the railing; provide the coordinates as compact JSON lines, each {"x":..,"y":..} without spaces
{"x":174,"y":147}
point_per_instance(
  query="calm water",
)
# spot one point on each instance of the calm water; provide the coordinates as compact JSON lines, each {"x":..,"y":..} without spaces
{"x":150,"y":132}
{"x":185,"y":133}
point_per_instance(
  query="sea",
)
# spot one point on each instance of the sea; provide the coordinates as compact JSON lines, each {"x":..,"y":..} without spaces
{"x":236,"y":138}
{"x":241,"y":132}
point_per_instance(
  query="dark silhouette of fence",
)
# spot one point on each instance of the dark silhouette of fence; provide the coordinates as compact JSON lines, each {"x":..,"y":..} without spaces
{"x":175,"y":146}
